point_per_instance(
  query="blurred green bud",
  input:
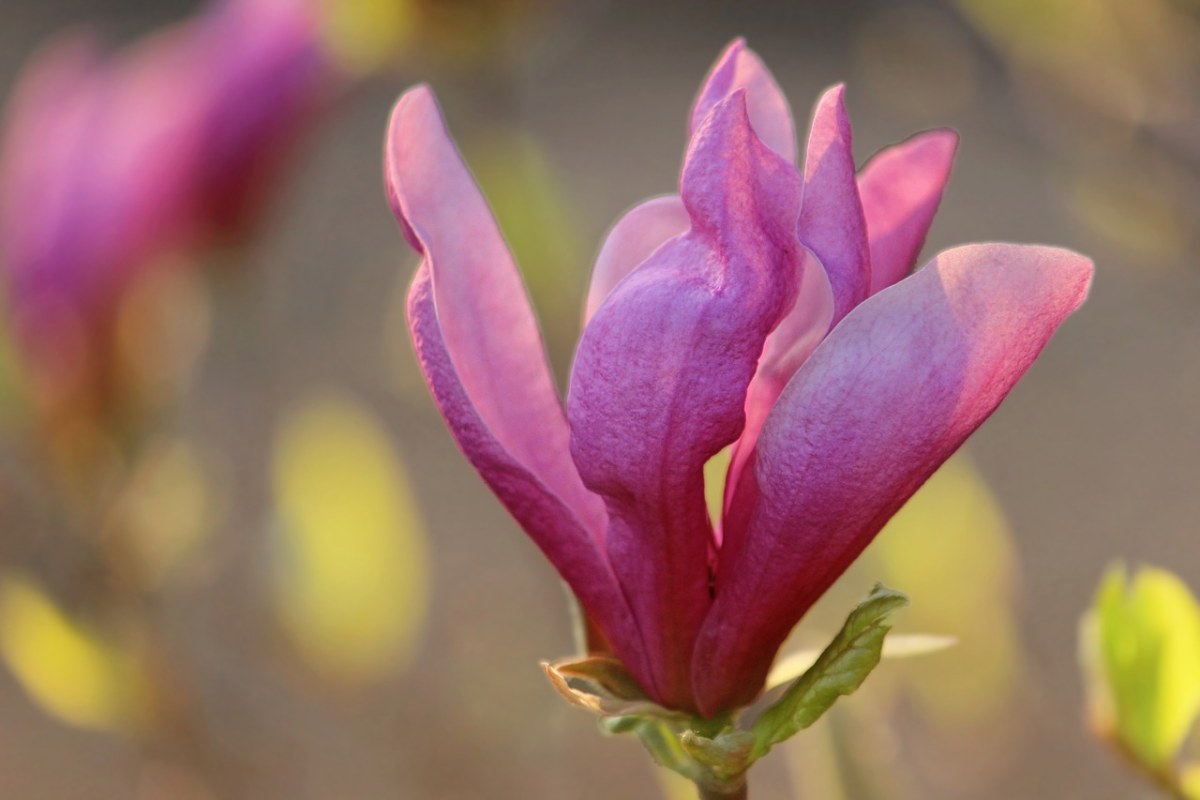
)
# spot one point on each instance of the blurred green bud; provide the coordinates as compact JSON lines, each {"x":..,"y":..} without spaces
{"x":1140,"y":647}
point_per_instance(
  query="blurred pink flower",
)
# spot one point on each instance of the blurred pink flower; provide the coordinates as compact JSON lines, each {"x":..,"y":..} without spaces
{"x":109,"y":163}
{"x":764,"y":307}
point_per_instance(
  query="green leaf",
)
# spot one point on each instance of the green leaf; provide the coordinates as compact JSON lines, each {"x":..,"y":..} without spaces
{"x":839,"y":670}
{"x":957,"y":516}
{"x":1141,"y":646}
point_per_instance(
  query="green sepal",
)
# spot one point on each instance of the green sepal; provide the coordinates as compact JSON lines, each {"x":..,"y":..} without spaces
{"x":726,"y":756}
{"x":840,"y":669}
{"x":602,"y":685}
{"x":662,"y":740}
{"x":615,"y":726}
{"x":709,"y":752}
{"x":715,"y":753}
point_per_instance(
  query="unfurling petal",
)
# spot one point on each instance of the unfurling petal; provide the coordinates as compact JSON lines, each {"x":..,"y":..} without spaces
{"x":740,"y":68}
{"x":94,"y":181}
{"x":831,"y":221}
{"x":660,"y":377}
{"x":482,"y":355}
{"x":43,"y":122}
{"x":646,"y":226}
{"x":268,"y":82}
{"x":833,"y":227}
{"x":884,"y":400}
{"x":482,"y":310}
{"x":901,"y":188}
{"x":636,"y":235}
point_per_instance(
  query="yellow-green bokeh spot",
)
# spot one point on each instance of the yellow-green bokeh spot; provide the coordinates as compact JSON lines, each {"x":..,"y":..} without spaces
{"x":1131,"y":61}
{"x":674,"y":786}
{"x":14,"y":402}
{"x":166,"y":510}
{"x":71,"y":672}
{"x":538,"y":221}
{"x":898,"y":645}
{"x":950,"y":543}
{"x":716,"y":472}
{"x":363,"y":35}
{"x":1189,"y":780}
{"x":350,"y":579}
{"x":1141,"y":645}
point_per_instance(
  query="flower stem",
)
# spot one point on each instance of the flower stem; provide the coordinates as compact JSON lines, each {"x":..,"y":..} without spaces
{"x":715,"y":794}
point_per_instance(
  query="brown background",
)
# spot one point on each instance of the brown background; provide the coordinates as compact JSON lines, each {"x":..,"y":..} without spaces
{"x":1093,"y":457}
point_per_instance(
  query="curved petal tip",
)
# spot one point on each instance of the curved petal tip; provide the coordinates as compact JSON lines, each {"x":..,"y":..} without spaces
{"x":415,"y":117}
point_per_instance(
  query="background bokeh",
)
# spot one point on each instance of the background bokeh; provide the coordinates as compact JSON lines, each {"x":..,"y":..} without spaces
{"x":294,"y":586}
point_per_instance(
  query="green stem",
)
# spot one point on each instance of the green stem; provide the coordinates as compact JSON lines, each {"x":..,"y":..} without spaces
{"x":713,"y":794}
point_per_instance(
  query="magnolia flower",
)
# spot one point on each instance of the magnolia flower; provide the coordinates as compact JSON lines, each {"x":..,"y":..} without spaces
{"x":110,"y":163}
{"x":767,"y":307}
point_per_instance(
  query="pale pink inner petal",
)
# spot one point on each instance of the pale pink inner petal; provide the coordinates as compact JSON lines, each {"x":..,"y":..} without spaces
{"x":660,"y":377}
{"x":785,"y":350}
{"x":740,"y":68}
{"x":901,"y":188}
{"x":637,"y":234}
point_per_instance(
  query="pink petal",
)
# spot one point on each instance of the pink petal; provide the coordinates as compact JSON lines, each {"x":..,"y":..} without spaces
{"x":660,"y":377}
{"x":530,"y":497}
{"x":485,"y":318}
{"x":740,"y":68}
{"x":901,"y":188}
{"x":831,"y":221}
{"x":265,"y":77}
{"x":635,"y":236}
{"x":42,"y":123}
{"x":97,"y":173}
{"x":884,"y":400}
{"x":150,"y":129}
{"x":836,"y":275}
{"x":482,"y":355}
